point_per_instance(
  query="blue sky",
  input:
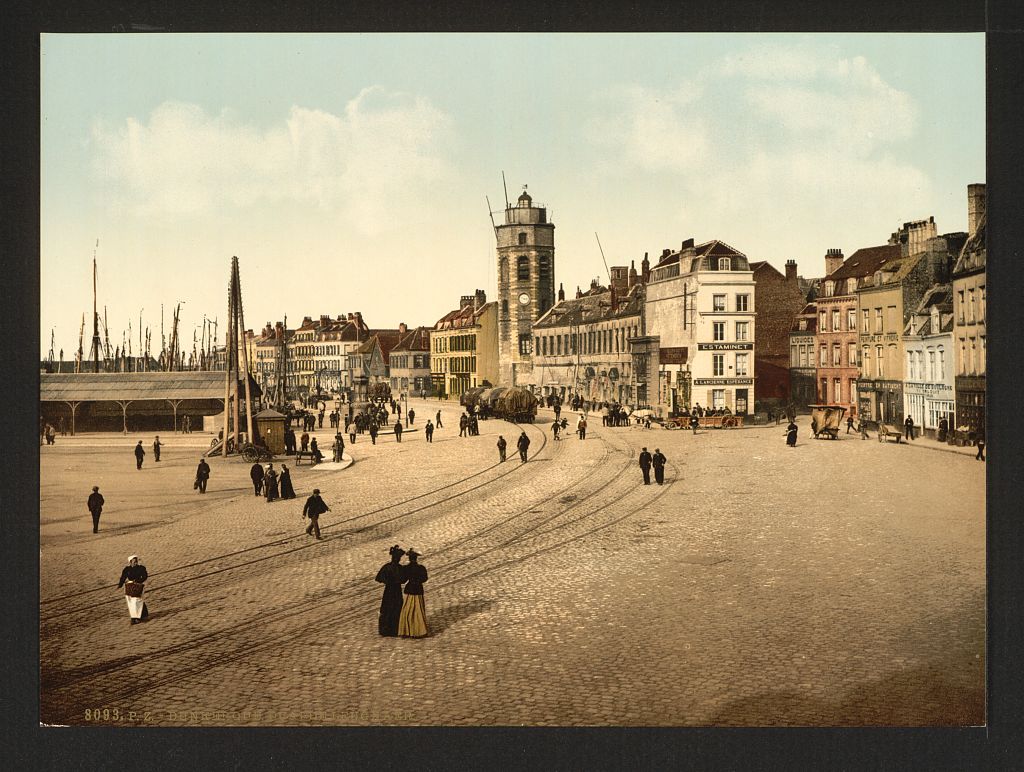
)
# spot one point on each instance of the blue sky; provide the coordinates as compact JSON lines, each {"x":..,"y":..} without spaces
{"x":349,"y":172}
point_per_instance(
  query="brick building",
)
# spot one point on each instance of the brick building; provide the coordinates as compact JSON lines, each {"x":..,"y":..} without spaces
{"x":409,"y":362}
{"x":969,"y":315}
{"x":778,"y":299}
{"x":837,"y":336}
{"x":928,"y":340}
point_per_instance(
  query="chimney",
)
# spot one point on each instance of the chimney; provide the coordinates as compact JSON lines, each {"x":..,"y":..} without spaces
{"x":561,"y":292}
{"x":402,"y":329}
{"x":645,"y":269}
{"x":686,"y":245}
{"x":975,"y":206}
{"x":358,"y":319}
{"x":350,"y":317}
{"x":791,"y":270}
{"x":307,"y":320}
{"x":579,"y":292}
{"x":833,"y":261}
{"x":480,"y":300}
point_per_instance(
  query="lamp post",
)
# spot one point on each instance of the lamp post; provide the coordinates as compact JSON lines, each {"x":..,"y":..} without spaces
{"x":405,"y":398}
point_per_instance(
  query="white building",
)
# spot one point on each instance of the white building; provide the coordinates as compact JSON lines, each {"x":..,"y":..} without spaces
{"x":928,"y":386}
{"x":700,"y":308}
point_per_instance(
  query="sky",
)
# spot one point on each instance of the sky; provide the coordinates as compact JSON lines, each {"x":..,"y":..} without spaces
{"x":351,"y":172}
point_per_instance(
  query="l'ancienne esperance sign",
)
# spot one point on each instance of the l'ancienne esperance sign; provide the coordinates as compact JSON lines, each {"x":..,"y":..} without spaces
{"x":723,"y":381}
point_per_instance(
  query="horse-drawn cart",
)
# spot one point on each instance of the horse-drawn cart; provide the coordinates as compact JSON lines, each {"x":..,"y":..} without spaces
{"x":826,"y":420}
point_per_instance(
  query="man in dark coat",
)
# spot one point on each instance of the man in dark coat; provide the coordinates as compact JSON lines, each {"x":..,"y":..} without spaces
{"x":980,"y":442}
{"x":501,"y":448}
{"x":438,"y":420}
{"x":304,"y":439}
{"x":95,"y":505}
{"x":373,"y":432}
{"x":849,"y":423}
{"x":156,"y":448}
{"x":314,"y":507}
{"x":694,"y":422}
{"x":523,"y":444}
{"x":140,"y":454}
{"x":398,"y":430}
{"x":392,"y":576}
{"x":202,"y":475}
{"x":463,"y":423}
{"x":908,"y":428}
{"x":645,"y":465}
{"x":658,"y":459}
{"x":315,"y":450}
{"x":412,"y":416}
{"x":338,"y":447}
{"x":429,"y":431}
{"x":791,"y":434}
{"x":256,"y":475}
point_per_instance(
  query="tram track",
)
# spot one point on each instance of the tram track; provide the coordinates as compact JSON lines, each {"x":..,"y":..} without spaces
{"x":358,"y":595}
{"x":60,"y":612}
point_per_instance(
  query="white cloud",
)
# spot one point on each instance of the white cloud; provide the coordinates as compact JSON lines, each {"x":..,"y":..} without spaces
{"x":776,"y":139}
{"x":182,"y":161}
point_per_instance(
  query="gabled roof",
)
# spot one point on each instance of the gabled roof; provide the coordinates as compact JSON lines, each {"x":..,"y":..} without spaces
{"x":972,"y":255}
{"x":864,"y":262}
{"x":414,"y":340}
{"x":716,"y":248}
{"x":940,"y":297}
{"x":464,"y":316}
{"x":387,"y":339}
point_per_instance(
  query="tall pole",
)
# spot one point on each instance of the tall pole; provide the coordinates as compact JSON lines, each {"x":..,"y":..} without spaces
{"x":245,"y":356}
{"x":95,"y":318}
{"x":227,"y":381}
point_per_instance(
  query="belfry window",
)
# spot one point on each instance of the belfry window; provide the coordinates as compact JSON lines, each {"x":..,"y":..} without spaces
{"x":523,"y":268}
{"x":522,"y":238}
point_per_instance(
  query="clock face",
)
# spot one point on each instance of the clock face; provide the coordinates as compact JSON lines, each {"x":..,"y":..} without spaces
{"x":523,"y":299}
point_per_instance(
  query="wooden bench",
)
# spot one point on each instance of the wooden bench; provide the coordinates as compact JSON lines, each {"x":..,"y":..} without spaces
{"x":301,"y":454}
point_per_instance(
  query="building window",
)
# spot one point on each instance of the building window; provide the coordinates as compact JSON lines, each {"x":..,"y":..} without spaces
{"x":743,"y":302}
{"x":851,"y":356}
{"x":823,"y":391}
{"x":719,"y":330}
{"x":805,"y":356}
{"x":724,"y":264}
{"x":718,"y":365}
{"x":742,"y":330}
{"x":794,"y":360}
{"x":879,"y":362}
{"x":741,"y":364}
{"x":823,"y":357}
{"x":835,"y":320}
{"x":823,"y":321}
{"x":851,"y":320}
{"x":981,"y":303}
{"x":932,"y":372}
{"x":836,"y":355}
{"x":718,"y":302}
{"x":853,"y":390}
{"x":504,"y":307}
{"x":544,"y":268}
{"x":866,"y":321}
{"x":522,"y":238}
{"x":717,"y":398}
{"x":837,"y":390}
{"x":830,"y":289}
{"x":523,"y":268}
{"x":878,"y":320}
{"x":960,"y":307}
{"x":970,"y":305}
{"x":942,"y":365}
{"x":524,"y":344}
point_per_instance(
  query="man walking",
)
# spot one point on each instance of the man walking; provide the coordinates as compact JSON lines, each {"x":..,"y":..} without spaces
{"x":581,"y":427}
{"x":256,"y":475}
{"x":849,"y":423}
{"x":659,"y":466}
{"x":645,"y":465}
{"x":95,"y":505}
{"x":524,"y":445}
{"x":501,"y":449}
{"x":438,"y":420}
{"x":908,"y":428}
{"x":314,"y":507}
{"x":339,"y":447}
{"x":140,"y":454}
{"x":980,"y":441}
{"x":202,"y":475}
{"x":694,"y":422}
{"x":412,"y":416}
{"x":156,"y":448}
{"x":373,"y":432}
{"x":463,"y":423}
{"x":555,"y":427}
{"x":429,"y":431}
{"x":398,"y":430}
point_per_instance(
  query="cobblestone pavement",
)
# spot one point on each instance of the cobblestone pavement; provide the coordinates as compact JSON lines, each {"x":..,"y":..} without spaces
{"x":835,"y":583}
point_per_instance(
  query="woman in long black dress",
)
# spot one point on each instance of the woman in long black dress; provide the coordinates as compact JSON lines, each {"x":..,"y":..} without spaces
{"x":392,"y":576}
{"x":413,"y":621}
{"x":791,"y":434}
{"x":270,"y":484}
{"x":287,"y":491}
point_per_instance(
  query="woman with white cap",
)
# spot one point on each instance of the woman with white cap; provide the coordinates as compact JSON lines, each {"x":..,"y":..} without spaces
{"x":132,"y":579}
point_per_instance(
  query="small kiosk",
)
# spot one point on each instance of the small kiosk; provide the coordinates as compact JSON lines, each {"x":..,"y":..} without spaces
{"x":270,"y":427}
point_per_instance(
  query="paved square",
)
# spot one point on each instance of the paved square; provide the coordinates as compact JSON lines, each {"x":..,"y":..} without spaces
{"x":835,"y":583}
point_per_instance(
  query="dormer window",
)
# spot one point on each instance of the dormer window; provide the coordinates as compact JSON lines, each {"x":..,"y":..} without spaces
{"x":830,"y":288}
{"x":878,"y":278}
{"x":724,"y":264}
{"x":851,"y":286}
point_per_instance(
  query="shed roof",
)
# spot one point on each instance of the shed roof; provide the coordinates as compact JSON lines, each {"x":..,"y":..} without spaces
{"x":100,"y":387}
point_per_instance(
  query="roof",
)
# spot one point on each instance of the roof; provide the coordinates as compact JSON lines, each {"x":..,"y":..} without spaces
{"x":972,"y":255}
{"x":709,"y":249}
{"x":809,"y":315}
{"x":589,"y":308}
{"x":99,"y":387}
{"x":940,"y":298}
{"x":415,"y":340}
{"x":387,"y":339}
{"x":464,"y":316}
{"x":864,"y":262}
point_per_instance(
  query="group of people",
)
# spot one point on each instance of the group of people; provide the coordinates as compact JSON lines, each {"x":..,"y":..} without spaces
{"x":406,"y":618}
{"x":271,"y":484}
{"x":522,"y":445}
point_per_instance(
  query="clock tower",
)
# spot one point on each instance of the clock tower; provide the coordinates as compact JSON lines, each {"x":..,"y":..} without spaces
{"x":526,"y":285}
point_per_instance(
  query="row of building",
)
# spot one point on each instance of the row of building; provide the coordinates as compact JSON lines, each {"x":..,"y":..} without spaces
{"x":899,"y":329}
{"x":891,"y":330}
